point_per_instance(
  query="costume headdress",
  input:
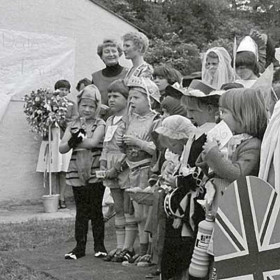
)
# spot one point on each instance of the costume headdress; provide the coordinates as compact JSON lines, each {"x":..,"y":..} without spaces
{"x":145,"y":86}
{"x":91,"y":92}
{"x":249,"y":45}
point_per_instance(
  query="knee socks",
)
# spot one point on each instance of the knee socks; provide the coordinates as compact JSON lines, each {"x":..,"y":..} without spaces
{"x":120,"y":231}
{"x":131,"y":231}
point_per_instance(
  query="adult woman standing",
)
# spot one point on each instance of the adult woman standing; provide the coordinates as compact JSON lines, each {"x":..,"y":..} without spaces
{"x":110,"y":52}
{"x":135,"y":44}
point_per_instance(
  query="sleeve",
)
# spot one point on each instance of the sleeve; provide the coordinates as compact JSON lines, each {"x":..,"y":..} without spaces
{"x":147,"y":146}
{"x":147,"y":71}
{"x":247,"y":160}
{"x":105,"y":147}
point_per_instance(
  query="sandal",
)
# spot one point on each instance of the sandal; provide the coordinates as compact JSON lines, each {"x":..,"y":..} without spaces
{"x":145,"y":261}
{"x":123,"y":256}
{"x":110,"y":256}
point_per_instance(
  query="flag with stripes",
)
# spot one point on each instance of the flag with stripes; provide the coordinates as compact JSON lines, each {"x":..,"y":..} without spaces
{"x":247,"y":232}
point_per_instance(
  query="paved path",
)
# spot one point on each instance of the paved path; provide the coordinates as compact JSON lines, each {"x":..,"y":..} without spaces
{"x":23,"y":213}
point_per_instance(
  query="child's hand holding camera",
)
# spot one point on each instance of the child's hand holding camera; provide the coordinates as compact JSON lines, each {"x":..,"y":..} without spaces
{"x":76,"y":138}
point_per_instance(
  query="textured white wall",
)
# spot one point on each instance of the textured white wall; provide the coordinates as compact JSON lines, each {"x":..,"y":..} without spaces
{"x":80,"y":20}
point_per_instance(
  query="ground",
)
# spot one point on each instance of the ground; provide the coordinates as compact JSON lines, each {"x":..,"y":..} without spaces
{"x":33,"y":244}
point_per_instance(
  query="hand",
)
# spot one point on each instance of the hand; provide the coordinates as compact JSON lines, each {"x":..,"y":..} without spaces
{"x":111,"y":173}
{"x":170,"y":180}
{"x":209,"y":145}
{"x":131,"y":140}
{"x":176,"y":223}
{"x":76,"y":138}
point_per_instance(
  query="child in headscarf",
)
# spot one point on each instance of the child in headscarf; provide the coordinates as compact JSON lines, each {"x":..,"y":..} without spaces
{"x":216,"y":68}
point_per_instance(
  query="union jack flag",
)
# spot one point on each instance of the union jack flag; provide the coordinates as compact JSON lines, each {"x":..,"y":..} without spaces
{"x":247,"y":231}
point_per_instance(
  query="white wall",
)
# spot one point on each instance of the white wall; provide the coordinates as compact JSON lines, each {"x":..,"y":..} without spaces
{"x":80,"y":20}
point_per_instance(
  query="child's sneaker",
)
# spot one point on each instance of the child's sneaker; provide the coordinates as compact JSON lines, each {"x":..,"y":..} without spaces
{"x":100,"y":252}
{"x":74,"y":255}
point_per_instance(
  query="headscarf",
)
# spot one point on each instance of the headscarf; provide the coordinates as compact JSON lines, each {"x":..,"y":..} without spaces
{"x":224,"y":73}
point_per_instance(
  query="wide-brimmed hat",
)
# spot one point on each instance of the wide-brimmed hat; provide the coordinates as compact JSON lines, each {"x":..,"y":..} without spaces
{"x":186,"y":81}
{"x":199,"y":89}
{"x":176,"y":127}
{"x":175,"y":91}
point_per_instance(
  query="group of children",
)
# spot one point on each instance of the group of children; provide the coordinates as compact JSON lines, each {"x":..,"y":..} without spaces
{"x":156,"y":139}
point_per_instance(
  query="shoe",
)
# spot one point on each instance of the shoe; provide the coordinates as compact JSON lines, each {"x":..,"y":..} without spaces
{"x":129,"y":258}
{"x":145,"y":261}
{"x":62,"y":204}
{"x":74,"y":255}
{"x":100,"y":254}
{"x":111,"y":255}
{"x":100,"y":251}
{"x":123,"y":256}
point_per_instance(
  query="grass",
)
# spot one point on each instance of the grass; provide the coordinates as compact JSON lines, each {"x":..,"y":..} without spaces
{"x":28,"y":236}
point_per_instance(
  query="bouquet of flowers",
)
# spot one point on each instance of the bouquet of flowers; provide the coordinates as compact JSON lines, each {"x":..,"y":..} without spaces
{"x":43,"y":109}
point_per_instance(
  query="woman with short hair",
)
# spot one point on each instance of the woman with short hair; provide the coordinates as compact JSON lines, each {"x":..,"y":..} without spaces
{"x":110,"y":52}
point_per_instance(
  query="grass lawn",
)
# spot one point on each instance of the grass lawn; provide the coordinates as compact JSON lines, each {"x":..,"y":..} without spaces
{"x":28,"y":236}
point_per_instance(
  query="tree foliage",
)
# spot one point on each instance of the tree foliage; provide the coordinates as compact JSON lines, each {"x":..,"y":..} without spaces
{"x":197,"y":25}
{"x":173,"y":51}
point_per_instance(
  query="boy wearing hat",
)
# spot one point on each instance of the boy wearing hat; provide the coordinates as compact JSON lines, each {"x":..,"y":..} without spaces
{"x":84,"y":137}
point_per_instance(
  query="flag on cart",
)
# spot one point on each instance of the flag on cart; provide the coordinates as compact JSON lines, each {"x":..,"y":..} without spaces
{"x":247,"y":232}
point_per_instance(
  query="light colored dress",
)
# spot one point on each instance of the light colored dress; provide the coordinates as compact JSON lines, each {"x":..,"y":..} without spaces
{"x":59,"y":162}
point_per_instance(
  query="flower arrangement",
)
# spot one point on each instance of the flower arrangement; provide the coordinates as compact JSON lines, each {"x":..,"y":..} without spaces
{"x":43,"y":109}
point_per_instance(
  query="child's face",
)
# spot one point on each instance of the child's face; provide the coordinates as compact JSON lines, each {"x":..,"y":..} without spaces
{"x":116,"y":101}
{"x":110,"y":55}
{"x":212,"y":64}
{"x":228,"y":118}
{"x":244,"y":73}
{"x":200,"y":117}
{"x":63,"y":92}
{"x":161,"y":83}
{"x":165,"y":113}
{"x":138,"y":102}
{"x":174,"y":145}
{"x":130,"y":50}
{"x":87,"y":108}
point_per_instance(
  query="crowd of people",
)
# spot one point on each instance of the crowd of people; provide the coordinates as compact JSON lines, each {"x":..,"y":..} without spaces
{"x":140,"y":130}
